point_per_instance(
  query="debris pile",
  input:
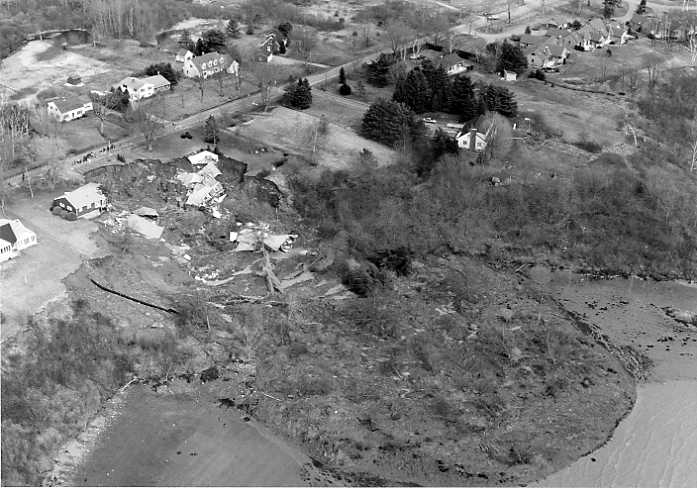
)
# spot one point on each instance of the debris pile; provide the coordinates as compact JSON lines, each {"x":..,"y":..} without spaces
{"x":203,"y":190}
{"x":251,"y":237}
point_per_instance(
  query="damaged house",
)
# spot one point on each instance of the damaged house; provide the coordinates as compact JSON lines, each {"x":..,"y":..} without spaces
{"x":203,"y":190}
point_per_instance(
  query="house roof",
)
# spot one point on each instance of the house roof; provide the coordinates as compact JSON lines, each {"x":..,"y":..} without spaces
{"x":467,"y":134}
{"x":131,"y":82}
{"x":158,"y":81}
{"x":6,"y":232}
{"x":70,"y":103}
{"x":12,"y":230}
{"x":451,"y":60}
{"x":183,"y":52}
{"x":530,"y":39}
{"x":84,"y":195}
{"x":554,"y":50}
{"x":204,"y":157}
{"x":208,"y":57}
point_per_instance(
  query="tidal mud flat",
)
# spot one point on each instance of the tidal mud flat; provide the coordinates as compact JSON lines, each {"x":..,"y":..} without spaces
{"x":656,"y":444}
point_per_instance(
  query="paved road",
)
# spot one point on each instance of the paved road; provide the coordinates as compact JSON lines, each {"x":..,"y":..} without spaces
{"x":251,"y":102}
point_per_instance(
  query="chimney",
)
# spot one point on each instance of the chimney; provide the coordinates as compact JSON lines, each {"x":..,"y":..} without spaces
{"x":473,"y":139}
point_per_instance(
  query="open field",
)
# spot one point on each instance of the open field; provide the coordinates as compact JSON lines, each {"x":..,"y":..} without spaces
{"x":294,"y":132}
{"x":23,"y":70}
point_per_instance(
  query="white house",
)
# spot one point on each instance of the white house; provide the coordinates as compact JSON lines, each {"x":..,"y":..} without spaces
{"x":183,"y":55}
{"x":85,"y":202}
{"x":14,"y":237}
{"x":472,"y":140}
{"x":454,"y":64}
{"x":510,"y":75}
{"x":68,"y":109}
{"x":203,"y":158}
{"x":139,"y":88}
{"x":206,"y":65}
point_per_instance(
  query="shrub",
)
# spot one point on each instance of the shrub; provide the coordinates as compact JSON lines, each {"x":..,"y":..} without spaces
{"x":588,"y":145}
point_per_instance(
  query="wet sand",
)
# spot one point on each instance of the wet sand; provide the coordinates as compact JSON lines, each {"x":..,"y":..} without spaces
{"x":656,"y":444}
{"x":181,"y":440}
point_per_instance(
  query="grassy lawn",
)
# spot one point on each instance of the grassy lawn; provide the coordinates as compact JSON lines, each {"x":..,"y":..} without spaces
{"x":339,"y":110}
{"x":186,"y":98}
{"x":293,"y":131}
{"x":82,"y":134}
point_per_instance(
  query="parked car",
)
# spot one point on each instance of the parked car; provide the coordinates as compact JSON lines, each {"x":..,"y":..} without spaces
{"x":429,"y":120}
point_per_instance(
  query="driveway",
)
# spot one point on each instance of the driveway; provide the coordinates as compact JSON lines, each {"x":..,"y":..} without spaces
{"x":35,"y":277}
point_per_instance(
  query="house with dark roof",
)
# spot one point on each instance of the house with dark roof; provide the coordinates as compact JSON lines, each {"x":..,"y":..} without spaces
{"x":454,"y":64}
{"x":85,"y":202}
{"x":14,"y":237}
{"x":67,"y":109}
{"x":206,"y":65}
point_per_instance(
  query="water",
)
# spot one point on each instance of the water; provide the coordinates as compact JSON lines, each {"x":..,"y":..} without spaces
{"x":654,"y":446}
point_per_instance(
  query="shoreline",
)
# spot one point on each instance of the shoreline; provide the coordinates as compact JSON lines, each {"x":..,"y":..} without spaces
{"x":667,"y":371}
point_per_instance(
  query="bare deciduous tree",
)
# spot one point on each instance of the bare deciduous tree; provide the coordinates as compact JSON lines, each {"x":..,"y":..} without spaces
{"x":400,"y":34}
{"x":145,"y":122}
{"x":305,"y":41}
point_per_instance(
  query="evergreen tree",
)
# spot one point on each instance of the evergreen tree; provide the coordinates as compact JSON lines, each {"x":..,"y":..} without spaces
{"x":500,"y":99}
{"x":439,"y":85}
{"x":285,"y":28}
{"x":213,"y":41}
{"x":344,"y":90}
{"x":413,"y":91}
{"x":298,"y":95}
{"x":463,"y":101}
{"x":511,"y":58}
{"x":389,"y":122}
{"x":210,"y":131}
{"x":342,"y":76}
{"x":233,"y":29}
{"x":378,"y":72}
{"x":441,"y":143}
{"x":164,"y":69}
{"x":199,"y":48}
{"x":440,"y":90}
{"x":118,"y":100}
{"x":609,"y":7}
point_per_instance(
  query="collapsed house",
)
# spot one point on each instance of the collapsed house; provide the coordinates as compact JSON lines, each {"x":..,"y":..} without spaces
{"x":252,"y":237}
{"x":203,"y":190}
